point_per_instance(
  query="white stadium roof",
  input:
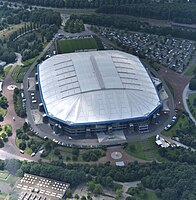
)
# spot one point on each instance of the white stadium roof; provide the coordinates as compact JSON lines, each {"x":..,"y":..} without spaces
{"x":96,"y":87}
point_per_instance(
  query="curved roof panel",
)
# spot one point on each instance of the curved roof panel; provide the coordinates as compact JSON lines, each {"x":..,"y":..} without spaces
{"x":96,"y":87}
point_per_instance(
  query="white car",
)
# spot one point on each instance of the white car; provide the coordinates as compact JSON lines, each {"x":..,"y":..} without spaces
{"x":33,"y":154}
{"x":70,"y":138}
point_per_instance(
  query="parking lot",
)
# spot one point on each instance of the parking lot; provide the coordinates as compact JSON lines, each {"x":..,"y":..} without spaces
{"x":35,"y":187}
{"x":171,"y":52}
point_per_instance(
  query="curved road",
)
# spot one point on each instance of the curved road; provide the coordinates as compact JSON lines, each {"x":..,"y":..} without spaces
{"x":185,"y":96}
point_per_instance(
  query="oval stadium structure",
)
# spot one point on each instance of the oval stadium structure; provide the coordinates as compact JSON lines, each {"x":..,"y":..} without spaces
{"x":96,"y":91}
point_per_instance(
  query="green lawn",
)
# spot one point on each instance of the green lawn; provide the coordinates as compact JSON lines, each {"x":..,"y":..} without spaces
{"x":3,"y":196}
{"x":19,"y":72}
{"x":145,"y":149}
{"x":28,"y":150}
{"x":181,"y":121}
{"x":4,"y":174}
{"x":7,"y":69}
{"x":72,"y":45}
{"x":189,"y":71}
{"x":190,"y":104}
{"x":5,"y":72}
{"x":3,"y":111}
{"x":135,"y":149}
{"x":4,"y":130}
{"x":149,"y":196}
{"x":11,"y":179}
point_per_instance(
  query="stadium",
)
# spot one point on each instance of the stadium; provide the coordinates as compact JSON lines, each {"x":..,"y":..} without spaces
{"x":97,"y":91}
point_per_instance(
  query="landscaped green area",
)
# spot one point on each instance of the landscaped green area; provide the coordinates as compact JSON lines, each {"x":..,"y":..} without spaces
{"x":181,"y":121}
{"x":145,"y":149}
{"x":3,"y":107}
{"x":5,"y":71}
{"x":5,"y":132}
{"x":140,"y":193}
{"x":19,"y":71}
{"x":192,"y":104}
{"x":72,"y":45}
{"x":190,"y":70}
{"x":5,"y":33}
{"x":4,"y":174}
{"x":18,"y":106}
{"x":3,"y":112}
{"x":74,"y":154}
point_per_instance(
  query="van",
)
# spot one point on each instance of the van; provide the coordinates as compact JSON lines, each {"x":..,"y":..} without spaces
{"x":21,"y":151}
{"x":33,"y":154}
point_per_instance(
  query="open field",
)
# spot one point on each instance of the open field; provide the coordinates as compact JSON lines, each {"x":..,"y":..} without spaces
{"x":191,"y":104}
{"x":180,"y":122}
{"x":145,"y":149}
{"x":72,"y":45}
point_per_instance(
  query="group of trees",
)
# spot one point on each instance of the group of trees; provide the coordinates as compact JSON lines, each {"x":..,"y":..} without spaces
{"x":178,"y":154}
{"x":7,"y":54}
{"x":135,"y":25}
{"x":172,"y":181}
{"x":187,"y":134}
{"x":192,"y":85}
{"x":74,"y":26}
{"x":178,"y":12}
{"x":3,"y":104}
{"x":29,"y":45}
{"x":20,"y":111}
{"x":92,"y":155}
{"x":46,"y":3}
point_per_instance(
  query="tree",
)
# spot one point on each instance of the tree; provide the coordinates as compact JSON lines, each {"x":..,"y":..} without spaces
{"x":98,"y":189}
{"x":22,"y":145}
{"x":83,"y":198}
{"x":118,"y":194}
{"x":192,"y":84}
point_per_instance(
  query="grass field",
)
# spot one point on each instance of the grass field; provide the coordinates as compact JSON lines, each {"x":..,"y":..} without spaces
{"x":181,"y":121}
{"x":3,"y":112}
{"x":191,"y":106}
{"x":145,"y":149}
{"x":19,"y":72}
{"x":4,"y":174}
{"x":10,"y":180}
{"x":72,"y":45}
{"x":189,"y":71}
{"x":149,"y":196}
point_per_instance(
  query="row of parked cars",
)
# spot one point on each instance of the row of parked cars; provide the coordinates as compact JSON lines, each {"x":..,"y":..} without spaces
{"x":171,"y":124}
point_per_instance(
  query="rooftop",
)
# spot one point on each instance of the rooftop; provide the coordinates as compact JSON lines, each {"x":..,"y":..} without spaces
{"x":96,"y":87}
